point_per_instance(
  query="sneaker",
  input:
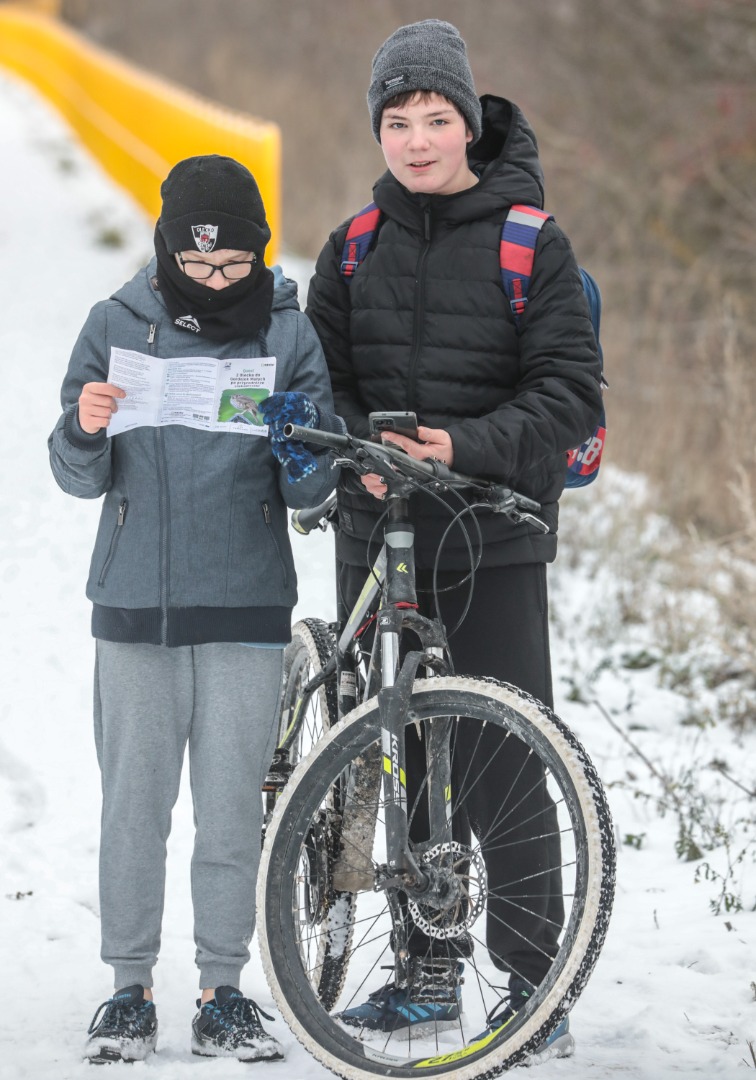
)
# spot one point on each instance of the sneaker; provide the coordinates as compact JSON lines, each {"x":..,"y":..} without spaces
{"x":127,"y":1030}
{"x":431,"y":1002}
{"x":559,"y":1043}
{"x":229,"y":1026}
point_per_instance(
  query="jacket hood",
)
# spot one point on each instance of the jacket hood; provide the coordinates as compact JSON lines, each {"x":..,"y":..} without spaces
{"x":508,"y":150}
{"x":147,"y":303}
{"x":505,"y":159}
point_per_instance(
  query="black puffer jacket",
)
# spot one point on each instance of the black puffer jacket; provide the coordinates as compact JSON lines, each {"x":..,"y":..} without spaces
{"x":425,"y":325}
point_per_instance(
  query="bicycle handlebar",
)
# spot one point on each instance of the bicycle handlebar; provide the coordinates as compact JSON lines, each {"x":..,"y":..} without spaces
{"x":378,"y":457}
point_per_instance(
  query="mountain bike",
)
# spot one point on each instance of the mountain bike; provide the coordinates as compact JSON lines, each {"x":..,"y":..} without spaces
{"x":362,"y":858}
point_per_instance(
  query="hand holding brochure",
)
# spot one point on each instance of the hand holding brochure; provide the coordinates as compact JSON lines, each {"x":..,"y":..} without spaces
{"x":196,"y":391}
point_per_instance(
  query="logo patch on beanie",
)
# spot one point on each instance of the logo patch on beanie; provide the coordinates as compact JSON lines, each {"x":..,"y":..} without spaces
{"x":205,"y":236}
{"x":395,"y":82}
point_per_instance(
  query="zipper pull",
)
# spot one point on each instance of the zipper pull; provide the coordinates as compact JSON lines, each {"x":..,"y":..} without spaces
{"x":122,"y":511}
{"x":266,"y":513}
{"x":151,"y":335}
{"x":427,"y":223}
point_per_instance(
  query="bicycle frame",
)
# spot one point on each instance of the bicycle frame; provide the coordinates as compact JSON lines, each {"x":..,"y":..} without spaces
{"x":393,"y":575}
{"x":352,"y":821}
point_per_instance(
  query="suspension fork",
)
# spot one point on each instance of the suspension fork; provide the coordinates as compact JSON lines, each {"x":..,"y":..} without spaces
{"x":396,"y":687}
{"x":438,"y":765}
{"x":394,"y":699}
{"x":394,"y":702}
{"x":437,"y":736}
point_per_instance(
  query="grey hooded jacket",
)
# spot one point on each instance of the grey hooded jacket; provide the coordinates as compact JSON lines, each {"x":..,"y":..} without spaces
{"x":193,"y":542}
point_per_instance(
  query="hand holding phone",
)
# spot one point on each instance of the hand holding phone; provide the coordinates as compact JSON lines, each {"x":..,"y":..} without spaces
{"x":436,"y":443}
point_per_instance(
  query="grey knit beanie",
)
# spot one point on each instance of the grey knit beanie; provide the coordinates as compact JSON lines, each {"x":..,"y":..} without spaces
{"x":428,"y":55}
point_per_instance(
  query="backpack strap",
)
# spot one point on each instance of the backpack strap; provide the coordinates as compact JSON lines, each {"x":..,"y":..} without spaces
{"x":519,"y":236}
{"x":359,"y":237}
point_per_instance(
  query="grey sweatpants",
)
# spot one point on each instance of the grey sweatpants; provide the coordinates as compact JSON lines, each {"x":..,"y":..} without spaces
{"x":149,"y":703}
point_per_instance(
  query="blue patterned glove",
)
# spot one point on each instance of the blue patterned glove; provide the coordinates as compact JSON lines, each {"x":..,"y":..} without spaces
{"x":291,"y":408}
{"x":288,"y":408}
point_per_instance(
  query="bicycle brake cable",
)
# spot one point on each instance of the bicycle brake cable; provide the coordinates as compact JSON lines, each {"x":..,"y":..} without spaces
{"x":474,"y":564}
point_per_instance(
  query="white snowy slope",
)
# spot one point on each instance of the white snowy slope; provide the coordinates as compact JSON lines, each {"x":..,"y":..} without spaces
{"x":673,"y":993}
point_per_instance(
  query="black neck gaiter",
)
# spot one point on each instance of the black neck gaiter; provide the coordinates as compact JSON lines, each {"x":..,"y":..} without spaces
{"x":240,"y":310}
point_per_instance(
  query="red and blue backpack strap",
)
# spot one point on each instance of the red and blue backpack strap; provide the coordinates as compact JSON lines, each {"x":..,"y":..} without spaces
{"x":519,"y":236}
{"x":359,"y":237}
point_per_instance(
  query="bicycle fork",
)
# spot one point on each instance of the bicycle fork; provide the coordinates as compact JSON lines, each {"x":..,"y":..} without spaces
{"x":418,"y":881}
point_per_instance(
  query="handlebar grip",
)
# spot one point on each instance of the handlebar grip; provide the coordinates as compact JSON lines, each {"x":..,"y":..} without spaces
{"x":305,"y":520}
{"x":314,"y":437}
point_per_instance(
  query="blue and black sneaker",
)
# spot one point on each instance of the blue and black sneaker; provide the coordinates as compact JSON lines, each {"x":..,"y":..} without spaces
{"x":431,"y":1002}
{"x":559,"y":1043}
{"x":229,"y":1026}
{"x":127,"y":1030}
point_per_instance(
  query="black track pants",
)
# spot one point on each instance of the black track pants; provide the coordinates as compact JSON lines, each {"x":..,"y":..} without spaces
{"x":505,"y":635}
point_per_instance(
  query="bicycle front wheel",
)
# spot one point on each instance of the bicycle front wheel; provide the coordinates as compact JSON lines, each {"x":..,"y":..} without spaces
{"x":553,"y":912}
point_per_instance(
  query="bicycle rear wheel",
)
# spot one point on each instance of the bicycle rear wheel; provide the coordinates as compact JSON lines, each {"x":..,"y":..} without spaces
{"x":303,"y":722}
{"x":302,"y":725}
{"x":560,"y":786}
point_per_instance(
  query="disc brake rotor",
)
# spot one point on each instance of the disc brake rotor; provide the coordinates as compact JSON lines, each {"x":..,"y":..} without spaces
{"x":470,"y":870}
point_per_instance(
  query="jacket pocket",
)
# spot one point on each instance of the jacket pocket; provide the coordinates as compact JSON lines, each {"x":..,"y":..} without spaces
{"x":268,"y":519}
{"x":114,"y":539}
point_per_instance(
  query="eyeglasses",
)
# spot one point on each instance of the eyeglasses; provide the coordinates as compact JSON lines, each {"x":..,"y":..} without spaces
{"x":202,"y":271}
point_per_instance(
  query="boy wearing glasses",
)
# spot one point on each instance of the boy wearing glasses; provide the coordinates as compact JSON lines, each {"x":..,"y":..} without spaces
{"x":192,"y":582}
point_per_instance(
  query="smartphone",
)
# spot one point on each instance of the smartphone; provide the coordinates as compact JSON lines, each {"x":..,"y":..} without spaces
{"x":403,"y":423}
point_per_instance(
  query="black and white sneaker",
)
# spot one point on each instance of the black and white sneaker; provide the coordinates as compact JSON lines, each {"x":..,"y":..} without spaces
{"x":127,"y":1030}
{"x":229,"y":1026}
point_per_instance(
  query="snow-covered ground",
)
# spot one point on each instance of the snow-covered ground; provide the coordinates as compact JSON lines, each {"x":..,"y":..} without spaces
{"x":673,"y":994}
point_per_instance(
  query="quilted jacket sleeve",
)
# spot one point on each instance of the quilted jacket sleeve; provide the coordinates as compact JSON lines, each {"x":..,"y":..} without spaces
{"x":558,"y":397}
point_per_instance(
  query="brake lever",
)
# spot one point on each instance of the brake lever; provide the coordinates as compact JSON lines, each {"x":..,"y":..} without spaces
{"x":518,"y":517}
{"x":351,"y":463}
{"x":362,"y":465}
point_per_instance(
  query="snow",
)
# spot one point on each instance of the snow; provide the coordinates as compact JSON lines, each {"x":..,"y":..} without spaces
{"x":673,"y":994}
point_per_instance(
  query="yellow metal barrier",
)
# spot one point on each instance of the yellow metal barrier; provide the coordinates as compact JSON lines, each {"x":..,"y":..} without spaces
{"x":136,"y":124}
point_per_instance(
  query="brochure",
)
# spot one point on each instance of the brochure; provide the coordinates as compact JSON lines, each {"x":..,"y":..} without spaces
{"x":196,"y":391}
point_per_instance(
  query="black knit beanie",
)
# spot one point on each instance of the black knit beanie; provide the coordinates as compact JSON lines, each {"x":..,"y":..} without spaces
{"x":212,"y":202}
{"x":429,"y":55}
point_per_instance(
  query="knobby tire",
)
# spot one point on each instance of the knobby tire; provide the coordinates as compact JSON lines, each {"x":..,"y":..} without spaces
{"x":363,"y":941}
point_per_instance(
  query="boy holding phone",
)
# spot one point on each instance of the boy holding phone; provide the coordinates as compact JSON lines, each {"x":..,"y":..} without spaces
{"x":423,"y":324}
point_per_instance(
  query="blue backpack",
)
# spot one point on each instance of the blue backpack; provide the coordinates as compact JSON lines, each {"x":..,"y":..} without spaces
{"x":519,"y":236}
